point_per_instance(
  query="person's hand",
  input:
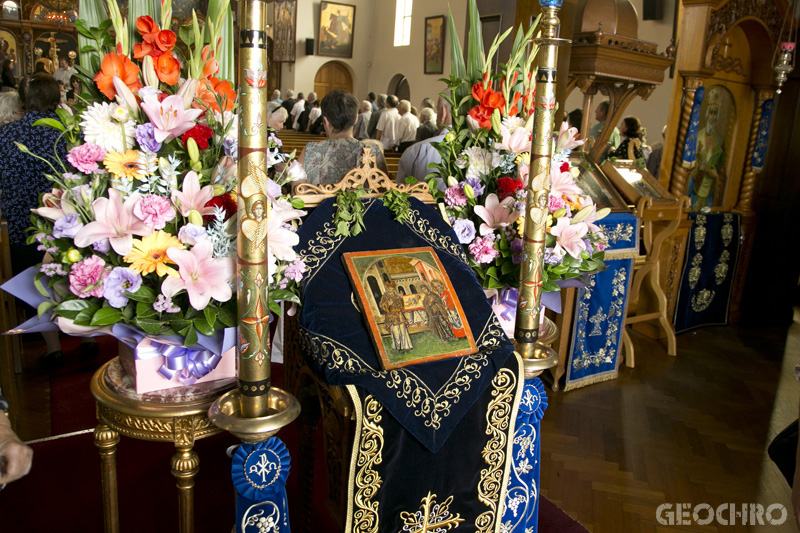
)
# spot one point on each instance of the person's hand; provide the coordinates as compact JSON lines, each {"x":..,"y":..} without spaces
{"x":15,"y":456}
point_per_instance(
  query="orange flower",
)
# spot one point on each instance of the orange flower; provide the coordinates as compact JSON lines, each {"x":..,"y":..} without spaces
{"x":167,"y":68}
{"x":210,"y":67}
{"x":165,"y":41}
{"x":207,"y":91}
{"x":117,"y":65}
{"x":143,"y":49}
{"x":147,"y":28}
{"x":488,"y":101}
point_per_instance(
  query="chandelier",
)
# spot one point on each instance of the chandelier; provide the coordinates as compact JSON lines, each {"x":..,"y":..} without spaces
{"x":60,"y":5}
{"x":784,"y":57}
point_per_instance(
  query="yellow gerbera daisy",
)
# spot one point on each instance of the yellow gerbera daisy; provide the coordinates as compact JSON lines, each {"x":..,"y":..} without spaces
{"x":523,"y":159}
{"x":123,"y":165}
{"x":150,"y":254}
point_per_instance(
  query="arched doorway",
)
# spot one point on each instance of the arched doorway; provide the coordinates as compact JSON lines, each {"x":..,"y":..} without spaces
{"x":332,"y":75}
{"x":399,"y":87}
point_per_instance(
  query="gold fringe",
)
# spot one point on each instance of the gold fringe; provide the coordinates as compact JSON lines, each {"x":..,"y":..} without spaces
{"x":623,"y":254}
{"x":591,"y":381}
{"x":688,"y":164}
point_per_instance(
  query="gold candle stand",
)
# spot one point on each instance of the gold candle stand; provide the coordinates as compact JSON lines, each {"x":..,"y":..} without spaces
{"x":536,"y":355}
{"x":255,"y":410}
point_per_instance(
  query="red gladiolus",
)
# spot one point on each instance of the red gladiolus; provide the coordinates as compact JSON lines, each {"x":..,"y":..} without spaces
{"x":207,"y":91}
{"x":117,"y":65}
{"x":144,"y":49}
{"x":489,"y":100}
{"x":507,"y":187}
{"x":167,"y":68}
{"x":147,"y":28}
{"x":165,"y":41}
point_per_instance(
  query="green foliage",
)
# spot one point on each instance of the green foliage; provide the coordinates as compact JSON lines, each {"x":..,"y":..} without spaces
{"x":398,"y":204}
{"x":349,"y":217}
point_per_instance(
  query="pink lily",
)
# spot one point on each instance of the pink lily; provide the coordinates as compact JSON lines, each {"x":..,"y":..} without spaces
{"x":496,"y":214}
{"x":114,"y":221}
{"x":515,"y":140}
{"x":193,"y":198}
{"x":280,"y":240}
{"x":53,"y":208}
{"x":170,"y":119}
{"x":568,"y":138}
{"x":201,"y":275}
{"x":569,"y":237}
{"x":562,"y":183}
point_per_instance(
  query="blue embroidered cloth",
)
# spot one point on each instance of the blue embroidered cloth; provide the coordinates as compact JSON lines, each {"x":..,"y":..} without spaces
{"x":259,"y":473}
{"x":427,"y":399}
{"x":601,"y":307}
{"x":762,"y":137}
{"x":690,"y":145}
{"x":706,"y":287}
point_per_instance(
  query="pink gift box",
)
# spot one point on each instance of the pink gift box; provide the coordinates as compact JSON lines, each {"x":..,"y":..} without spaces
{"x":146,"y":376}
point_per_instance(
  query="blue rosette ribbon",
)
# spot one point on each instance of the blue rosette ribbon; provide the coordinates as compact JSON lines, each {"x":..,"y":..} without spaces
{"x":188,"y":365}
{"x":259,"y":473}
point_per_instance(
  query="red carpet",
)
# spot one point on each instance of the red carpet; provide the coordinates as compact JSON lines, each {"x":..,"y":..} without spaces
{"x":65,"y":478}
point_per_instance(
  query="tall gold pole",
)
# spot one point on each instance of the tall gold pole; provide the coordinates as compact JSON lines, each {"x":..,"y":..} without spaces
{"x":256,"y":410}
{"x":526,"y":332}
{"x":254,"y":350}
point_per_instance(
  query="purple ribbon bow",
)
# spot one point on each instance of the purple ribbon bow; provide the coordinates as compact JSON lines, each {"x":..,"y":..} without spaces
{"x":188,"y":365}
{"x":508,"y":298}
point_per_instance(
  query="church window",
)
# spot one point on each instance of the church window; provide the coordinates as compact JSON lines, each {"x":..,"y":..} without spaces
{"x":402,"y":23}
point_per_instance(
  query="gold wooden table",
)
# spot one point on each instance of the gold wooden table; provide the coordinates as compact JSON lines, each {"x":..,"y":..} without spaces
{"x":177,"y":415}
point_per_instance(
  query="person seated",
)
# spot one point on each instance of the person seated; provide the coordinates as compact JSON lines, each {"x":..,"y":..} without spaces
{"x":415,"y":160}
{"x":364,"y":116}
{"x":75,"y":90}
{"x":10,"y":107}
{"x":406,"y":127}
{"x":302,"y":120}
{"x":387,"y":127}
{"x":277,"y":118}
{"x":313,"y":115}
{"x":427,"y":128}
{"x":15,"y":456}
{"x":575,"y":118}
{"x":328,"y":161}
{"x":631,"y":145}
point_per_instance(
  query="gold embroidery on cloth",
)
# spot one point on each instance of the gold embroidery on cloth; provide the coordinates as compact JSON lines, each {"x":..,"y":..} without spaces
{"x":493,"y":478}
{"x":421,"y":226}
{"x":367,"y":453}
{"x":702,"y":300}
{"x":433,"y":406}
{"x":432,"y":516}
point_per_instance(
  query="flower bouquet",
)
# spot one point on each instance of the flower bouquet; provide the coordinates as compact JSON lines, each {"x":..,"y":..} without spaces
{"x":140,"y":226}
{"x":485,"y":160}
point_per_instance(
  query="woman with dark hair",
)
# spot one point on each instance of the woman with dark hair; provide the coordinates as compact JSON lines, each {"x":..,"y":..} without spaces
{"x":631,"y":145}
{"x":22,"y":177}
{"x":75,"y":89}
{"x":328,"y":161}
{"x":8,"y":75}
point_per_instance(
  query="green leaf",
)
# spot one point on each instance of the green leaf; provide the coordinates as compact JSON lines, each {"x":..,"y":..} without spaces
{"x":149,"y":325}
{"x":284,"y":295}
{"x":191,"y":337}
{"x":202,"y":325}
{"x":144,"y":294}
{"x":298,"y":203}
{"x":145,"y":310}
{"x":88,"y":48}
{"x":475,"y":44}
{"x":37,"y":282}
{"x":182,"y":326}
{"x":84,"y":318}
{"x":550,"y":286}
{"x":457,"y":68}
{"x":186,"y":34}
{"x":50,"y":122}
{"x":274,"y":307}
{"x":71,"y":308}
{"x":106,"y":316}
{"x":226,"y":317}
{"x":210,"y":312}
{"x":43,"y":308}
{"x":80,"y":25}
{"x":128,"y":311}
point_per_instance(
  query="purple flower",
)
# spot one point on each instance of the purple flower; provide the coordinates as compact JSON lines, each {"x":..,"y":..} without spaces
{"x":164,"y":305}
{"x":67,"y":226}
{"x":70,"y":176}
{"x":120,"y":279}
{"x":191,"y":233}
{"x":475,"y":183}
{"x":230,"y":148}
{"x":516,"y":248}
{"x":465,"y":229}
{"x":102,"y":246}
{"x":553,"y":257}
{"x":145,"y":136}
{"x":295,"y":271}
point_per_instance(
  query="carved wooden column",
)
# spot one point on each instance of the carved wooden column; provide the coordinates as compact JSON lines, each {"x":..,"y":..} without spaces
{"x":588,"y":88}
{"x":744,"y":206}
{"x":680,"y":173}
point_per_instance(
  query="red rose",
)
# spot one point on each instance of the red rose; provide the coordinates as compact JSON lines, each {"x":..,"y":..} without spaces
{"x":564,"y":167}
{"x":201,"y":134}
{"x":507,"y":187}
{"x":225,"y":202}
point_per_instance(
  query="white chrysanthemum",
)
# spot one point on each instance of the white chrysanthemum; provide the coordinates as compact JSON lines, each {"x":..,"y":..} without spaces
{"x":480,"y":161}
{"x":511,"y":123}
{"x":100,"y":127}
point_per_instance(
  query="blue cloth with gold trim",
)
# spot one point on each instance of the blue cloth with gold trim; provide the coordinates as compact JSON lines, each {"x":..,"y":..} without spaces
{"x":427,"y":399}
{"x":709,"y":268}
{"x":601,"y":307}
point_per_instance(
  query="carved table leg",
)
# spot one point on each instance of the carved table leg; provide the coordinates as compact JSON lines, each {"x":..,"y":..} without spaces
{"x":106,"y":440}
{"x":185,"y":465}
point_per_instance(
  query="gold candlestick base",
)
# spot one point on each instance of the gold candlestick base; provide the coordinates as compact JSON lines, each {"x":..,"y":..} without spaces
{"x":226,"y":414}
{"x":544,"y":356}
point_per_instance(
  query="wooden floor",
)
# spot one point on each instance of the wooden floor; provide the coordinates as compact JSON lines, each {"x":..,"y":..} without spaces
{"x":690,"y":429}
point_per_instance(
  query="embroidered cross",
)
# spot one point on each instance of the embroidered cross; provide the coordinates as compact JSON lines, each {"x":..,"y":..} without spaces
{"x":262,"y":468}
{"x":432,"y":516}
{"x":597,"y":319}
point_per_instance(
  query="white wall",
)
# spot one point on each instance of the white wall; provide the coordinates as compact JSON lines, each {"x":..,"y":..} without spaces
{"x":654,"y":111}
{"x":375,"y":59}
